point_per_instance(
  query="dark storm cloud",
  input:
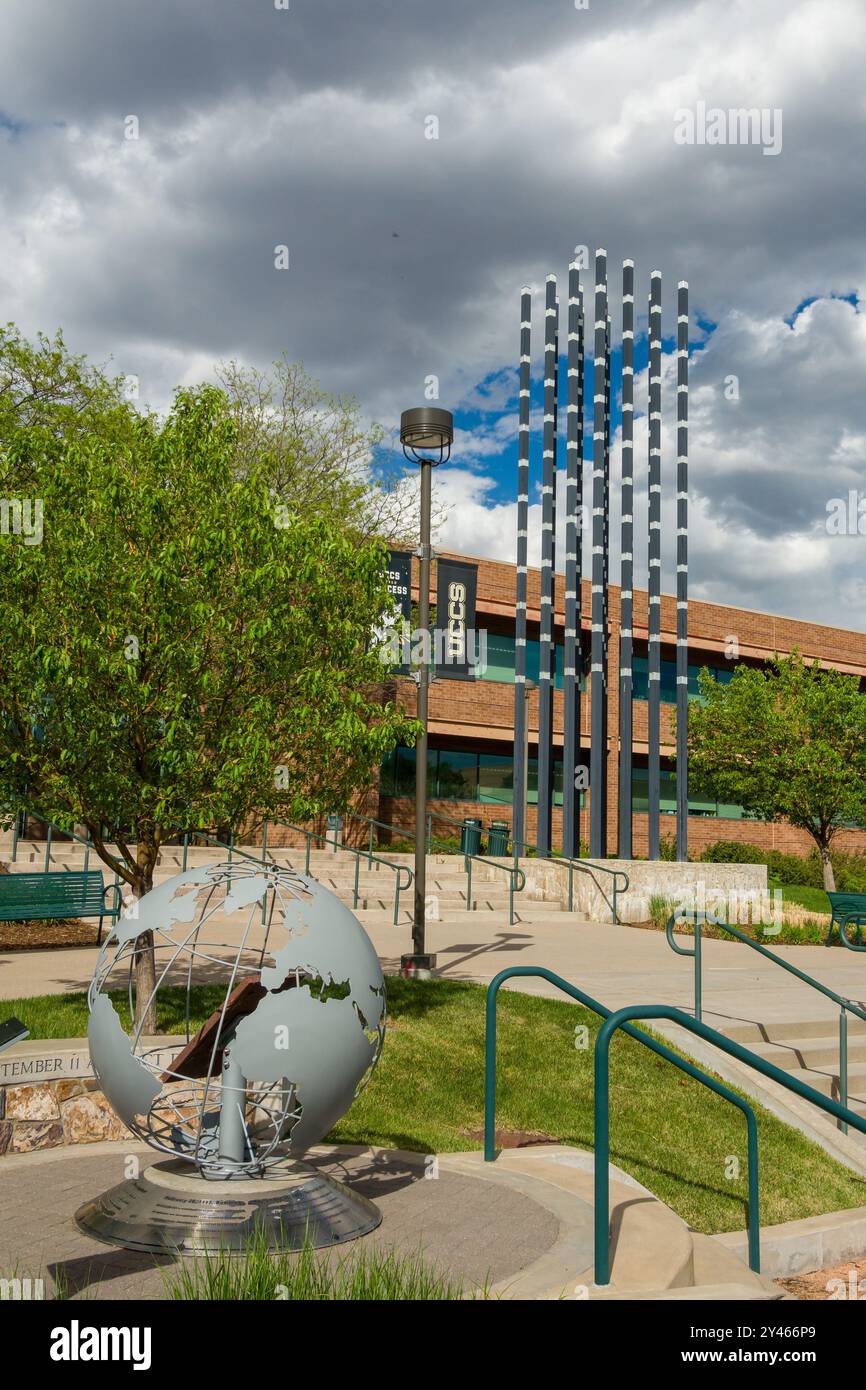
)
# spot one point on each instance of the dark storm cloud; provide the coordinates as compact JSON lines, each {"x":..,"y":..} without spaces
{"x":306,"y":127}
{"x":74,"y":61}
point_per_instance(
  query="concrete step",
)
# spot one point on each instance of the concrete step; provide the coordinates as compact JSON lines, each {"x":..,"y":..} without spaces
{"x":375,"y":888}
{"x":342,"y":865}
{"x":810,"y":1053}
{"x":786,"y":1030}
{"x":826,"y":1080}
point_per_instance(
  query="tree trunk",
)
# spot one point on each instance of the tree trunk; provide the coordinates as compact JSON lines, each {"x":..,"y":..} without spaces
{"x":827,"y":868}
{"x":145,"y":960}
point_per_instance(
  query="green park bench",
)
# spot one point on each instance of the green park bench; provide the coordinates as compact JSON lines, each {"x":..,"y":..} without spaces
{"x":53,"y":896}
{"x":847,"y":907}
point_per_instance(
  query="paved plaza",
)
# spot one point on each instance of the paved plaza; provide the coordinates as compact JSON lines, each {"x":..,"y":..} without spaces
{"x":617,"y":965}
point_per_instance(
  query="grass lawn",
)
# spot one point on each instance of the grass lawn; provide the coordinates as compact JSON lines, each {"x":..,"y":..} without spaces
{"x":804,"y":895}
{"x":671,"y":1133}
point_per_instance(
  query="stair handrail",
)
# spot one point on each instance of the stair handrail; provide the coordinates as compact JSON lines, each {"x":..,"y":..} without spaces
{"x":846,"y":1006}
{"x":516,"y":876}
{"x":647,"y":1040}
{"x":397,"y":869}
{"x":601,"y":1105}
{"x":556,"y":857}
{"x":371,"y":821}
{"x":233,"y":849}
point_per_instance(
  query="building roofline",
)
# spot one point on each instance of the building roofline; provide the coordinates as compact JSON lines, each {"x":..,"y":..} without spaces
{"x":714,"y":603}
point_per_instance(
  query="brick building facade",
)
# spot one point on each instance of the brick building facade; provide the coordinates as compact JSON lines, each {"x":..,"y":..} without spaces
{"x":471,"y":723}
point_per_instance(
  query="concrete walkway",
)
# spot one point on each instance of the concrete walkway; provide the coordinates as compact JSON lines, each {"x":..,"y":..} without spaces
{"x":617,"y":965}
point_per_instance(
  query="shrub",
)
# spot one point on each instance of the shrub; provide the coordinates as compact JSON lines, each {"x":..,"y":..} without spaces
{"x":795,"y":868}
{"x":733,"y":852}
{"x":850,"y":870}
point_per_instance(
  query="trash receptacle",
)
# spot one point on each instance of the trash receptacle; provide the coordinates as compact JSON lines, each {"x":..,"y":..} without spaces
{"x":497,"y":837}
{"x":470,"y":835}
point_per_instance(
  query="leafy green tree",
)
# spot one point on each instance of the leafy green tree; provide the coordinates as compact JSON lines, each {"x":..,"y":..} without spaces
{"x":787,"y":742}
{"x":322,"y":451}
{"x":182,"y":649}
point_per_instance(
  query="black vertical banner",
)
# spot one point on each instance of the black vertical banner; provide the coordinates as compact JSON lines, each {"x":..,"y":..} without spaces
{"x":396,"y":628}
{"x":456,"y":643}
{"x":399,"y":574}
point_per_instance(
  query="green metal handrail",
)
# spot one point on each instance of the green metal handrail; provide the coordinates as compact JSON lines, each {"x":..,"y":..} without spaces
{"x":397,"y":869}
{"x":513,"y":870}
{"x":371,"y":821}
{"x":590,"y":869}
{"x":621,"y":1019}
{"x":556,"y":857}
{"x":514,"y":873}
{"x":646,"y":1040}
{"x":516,"y":876}
{"x":846,"y":1006}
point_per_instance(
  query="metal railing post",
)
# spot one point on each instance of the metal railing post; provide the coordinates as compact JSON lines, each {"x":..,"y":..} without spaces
{"x":48,"y":847}
{"x":698,"y":972}
{"x":15,"y":827}
{"x":490,"y":1076}
{"x":468,"y":862}
{"x":357,"y":872}
{"x":601,"y":1161}
{"x":370,"y":850}
{"x":307,"y":861}
{"x":185,"y":851}
{"x":429,"y":832}
{"x":619,"y":1020}
{"x":843,"y":1065}
{"x":601,"y":1146}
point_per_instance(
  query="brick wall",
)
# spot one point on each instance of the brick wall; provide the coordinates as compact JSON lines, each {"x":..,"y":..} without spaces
{"x":479,"y":713}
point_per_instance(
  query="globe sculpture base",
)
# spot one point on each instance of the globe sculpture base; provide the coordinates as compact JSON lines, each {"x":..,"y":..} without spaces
{"x":172,"y":1209}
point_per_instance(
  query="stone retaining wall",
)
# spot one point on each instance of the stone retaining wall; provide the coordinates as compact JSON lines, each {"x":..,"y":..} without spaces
{"x":592,"y":887}
{"x":49,"y":1096}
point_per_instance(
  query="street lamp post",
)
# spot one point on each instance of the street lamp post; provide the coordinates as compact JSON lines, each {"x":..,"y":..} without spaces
{"x":424,"y":432}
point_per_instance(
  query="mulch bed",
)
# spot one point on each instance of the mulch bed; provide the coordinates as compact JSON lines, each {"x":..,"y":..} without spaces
{"x":49,"y":936}
{"x":851,"y":1278}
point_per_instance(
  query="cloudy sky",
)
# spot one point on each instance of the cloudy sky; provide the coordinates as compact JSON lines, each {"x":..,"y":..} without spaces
{"x":153,"y":156}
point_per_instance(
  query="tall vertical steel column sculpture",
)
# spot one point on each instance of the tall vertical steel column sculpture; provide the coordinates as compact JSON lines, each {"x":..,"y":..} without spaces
{"x":521,"y":713}
{"x":573,"y":568}
{"x":654,"y":548}
{"x":606,"y":578}
{"x":627,"y":565}
{"x":682,"y":570}
{"x":598,"y":730}
{"x":601,"y":490}
{"x":545,"y":656}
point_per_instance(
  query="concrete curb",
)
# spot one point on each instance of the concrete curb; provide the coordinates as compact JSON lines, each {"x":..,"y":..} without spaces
{"x":798,"y":1247}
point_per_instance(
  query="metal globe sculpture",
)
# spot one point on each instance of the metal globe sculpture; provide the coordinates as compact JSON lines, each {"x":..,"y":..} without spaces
{"x":297,"y":1030}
